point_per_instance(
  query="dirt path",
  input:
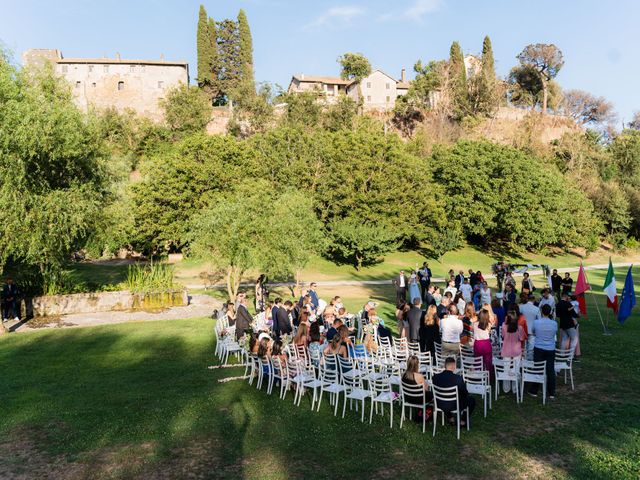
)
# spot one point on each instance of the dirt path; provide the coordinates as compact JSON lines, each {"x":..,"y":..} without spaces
{"x":199,"y":306}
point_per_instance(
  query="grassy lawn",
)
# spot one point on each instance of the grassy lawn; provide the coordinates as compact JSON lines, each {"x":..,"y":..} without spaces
{"x":136,"y":400}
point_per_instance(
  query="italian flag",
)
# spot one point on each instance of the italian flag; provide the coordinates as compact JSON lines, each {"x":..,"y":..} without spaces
{"x":610,"y":289}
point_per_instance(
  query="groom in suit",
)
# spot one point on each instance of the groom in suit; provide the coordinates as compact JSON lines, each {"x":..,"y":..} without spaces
{"x":401,"y":282}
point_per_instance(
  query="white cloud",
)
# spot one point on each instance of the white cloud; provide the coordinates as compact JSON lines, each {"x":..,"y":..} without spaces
{"x":337,"y":16}
{"x":420,"y":8}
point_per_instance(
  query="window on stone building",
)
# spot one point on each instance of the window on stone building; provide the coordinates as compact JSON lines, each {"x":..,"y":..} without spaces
{"x":78,"y":83}
{"x":368,"y":84}
{"x":120,"y":85}
{"x":90,"y":67}
{"x":64,"y":69}
{"x":93,"y":84}
{"x":160,"y":84}
{"x":368,"y":98}
{"x":106,"y":69}
{"x":388,"y":98}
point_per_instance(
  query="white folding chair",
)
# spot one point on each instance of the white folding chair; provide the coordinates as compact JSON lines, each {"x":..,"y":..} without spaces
{"x":507,"y":370}
{"x":564,"y":363}
{"x":278,"y":372}
{"x":408,"y":394}
{"x":425,"y":361}
{"x":254,"y":366}
{"x":443,"y":395}
{"x":264,"y":370}
{"x":354,"y":391}
{"x":414,"y":348}
{"x":381,"y":393}
{"x":534,"y":372}
{"x":347,"y":368}
{"x":479,"y":383}
{"x":330,"y":382}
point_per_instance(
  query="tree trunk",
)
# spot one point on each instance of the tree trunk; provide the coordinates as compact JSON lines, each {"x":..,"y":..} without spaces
{"x":545,"y":95}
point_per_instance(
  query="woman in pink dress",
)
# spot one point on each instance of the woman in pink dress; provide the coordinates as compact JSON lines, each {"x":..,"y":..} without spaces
{"x":512,"y":337}
{"x":482,"y":342}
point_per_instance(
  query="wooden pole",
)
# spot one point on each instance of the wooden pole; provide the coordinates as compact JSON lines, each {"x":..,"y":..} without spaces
{"x":605,"y":330}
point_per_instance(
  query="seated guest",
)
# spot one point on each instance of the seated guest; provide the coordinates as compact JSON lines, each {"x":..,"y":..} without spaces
{"x":447,"y":379}
{"x":333,"y":347}
{"x":264,"y":350}
{"x":302,"y":337}
{"x":412,"y":377}
{"x":316,"y":346}
{"x":337,"y":303}
{"x":253,"y":343}
{"x":333,"y":331}
{"x":345,"y":341}
{"x":277,"y":351}
{"x":451,"y":328}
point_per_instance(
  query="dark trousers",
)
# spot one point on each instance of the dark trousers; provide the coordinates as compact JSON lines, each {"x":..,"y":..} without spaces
{"x":401,"y":295}
{"x":9,"y":309}
{"x":424,"y":286}
{"x":468,"y":402}
{"x":548,"y":356}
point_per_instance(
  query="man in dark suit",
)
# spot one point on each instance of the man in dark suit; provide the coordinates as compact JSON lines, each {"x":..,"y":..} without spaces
{"x":448,"y":379}
{"x":415,"y":317}
{"x":284,"y":323}
{"x":425,"y":279}
{"x":556,"y":283}
{"x":459,"y":280}
{"x":428,"y":296}
{"x":401,"y":283}
{"x":277,"y":304}
{"x":10,"y":300}
{"x":243,"y":318}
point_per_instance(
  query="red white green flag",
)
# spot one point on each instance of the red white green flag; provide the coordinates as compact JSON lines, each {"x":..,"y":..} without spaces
{"x":610,"y":289}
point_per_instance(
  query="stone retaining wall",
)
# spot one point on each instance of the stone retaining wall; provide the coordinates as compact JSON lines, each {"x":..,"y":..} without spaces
{"x":106,"y":302}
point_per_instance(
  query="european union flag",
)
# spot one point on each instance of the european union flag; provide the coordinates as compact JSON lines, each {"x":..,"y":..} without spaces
{"x":628,"y":298}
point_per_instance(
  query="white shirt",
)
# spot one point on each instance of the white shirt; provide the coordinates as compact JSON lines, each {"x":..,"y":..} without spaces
{"x":451,"y":327}
{"x":530,"y":312}
{"x":548,"y":301}
{"x":485,"y":295}
{"x":401,"y":282}
{"x":453,"y":291}
{"x":466,"y":290}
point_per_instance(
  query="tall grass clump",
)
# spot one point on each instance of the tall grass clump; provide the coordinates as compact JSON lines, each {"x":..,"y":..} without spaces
{"x":150,"y":277}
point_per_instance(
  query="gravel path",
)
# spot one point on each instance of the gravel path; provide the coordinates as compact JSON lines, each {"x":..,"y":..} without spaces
{"x":199,"y":306}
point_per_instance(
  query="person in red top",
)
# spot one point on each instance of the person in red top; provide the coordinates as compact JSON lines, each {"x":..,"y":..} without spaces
{"x":514,"y":310}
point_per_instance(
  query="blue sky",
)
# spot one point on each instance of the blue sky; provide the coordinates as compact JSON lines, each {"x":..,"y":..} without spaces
{"x":597,"y":38}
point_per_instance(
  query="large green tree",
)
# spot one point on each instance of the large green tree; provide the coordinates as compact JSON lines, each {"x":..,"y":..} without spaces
{"x":458,"y":81}
{"x":546,"y":60}
{"x":186,"y":109}
{"x":52,"y":174}
{"x":229,"y":62}
{"x":206,"y":49}
{"x":485,"y":92}
{"x":354,"y":66}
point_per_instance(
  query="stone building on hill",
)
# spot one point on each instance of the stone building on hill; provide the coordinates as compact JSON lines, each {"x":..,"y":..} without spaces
{"x":378,"y":91}
{"x":113,"y":82}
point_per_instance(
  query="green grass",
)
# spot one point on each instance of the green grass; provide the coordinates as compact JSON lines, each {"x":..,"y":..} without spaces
{"x":137,"y":401}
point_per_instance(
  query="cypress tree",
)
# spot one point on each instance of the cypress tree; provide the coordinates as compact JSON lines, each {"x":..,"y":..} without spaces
{"x":228,"y":62}
{"x":245,"y":56}
{"x":458,"y":81}
{"x":214,"y":57}
{"x":488,"y":96}
{"x":488,"y":64}
{"x":204,"y":49}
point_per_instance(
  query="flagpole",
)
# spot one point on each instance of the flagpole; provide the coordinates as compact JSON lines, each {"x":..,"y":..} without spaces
{"x":604,"y":327}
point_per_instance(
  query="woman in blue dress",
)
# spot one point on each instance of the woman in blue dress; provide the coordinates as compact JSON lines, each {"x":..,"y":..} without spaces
{"x":414,"y":287}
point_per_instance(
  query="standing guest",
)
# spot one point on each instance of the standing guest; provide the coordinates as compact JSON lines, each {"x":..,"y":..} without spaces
{"x":512,"y":337}
{"x":401,"y":316}
{"x":10,"y":300}
{"x":499,"y":312}
{"x":567,"y":284}
{"x":429,"y":298}
{"x":545,"y":331}
{"x":437,"y":295}
{"x":477,"y":297}
{"x":527,"y":284}
{"x":451,"y":275}
{"x":430,"y":331}
{"x":473,"y":278}
{"x":451,"y":328}
{"x":468,"y":320}
{"x":443,"y":308}
{"x":466,"y":289}
{"x":451,"y":289}
{"x":231,"y":313}
{"x":401,"y":282}
{"x":447,"y":379}
{"x":415,"y":317}
{"x":284,"y":318}
{"x":482,"y":340}
{"x":243,"y":318}
{"x":509,"y":280}
{"x":274,"y":318}
{"x":459,"y":279}
{"x":556,"y":283}
{"x":509,"y":297}
{"x":302,"y":336}
{"x":480,"y":277}
{"x":313,"y":295}
{"x":414,"y":287}
{"x":425,"y":279}
{"x":459,"y":302}
{"x":529,"y":310}
{"x":260,"y":294}
{"x":514,"y":310}
{"x":485,"y":292}
{"x":567,"y":316}
{"x":547,"y":299}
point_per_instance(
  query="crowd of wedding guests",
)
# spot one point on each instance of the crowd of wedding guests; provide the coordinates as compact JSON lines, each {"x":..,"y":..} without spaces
{"x":463,"y":311}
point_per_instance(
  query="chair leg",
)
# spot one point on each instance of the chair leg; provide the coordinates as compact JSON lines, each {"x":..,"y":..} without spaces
{"x":391,"y":415}
{"x":458,"y":423}
{"x":344,"y":405}
{"x":362,"y":418}
{"x":371,"y":412}
{"x":468,"y":419}
{"x":424,"y":418}
{"x":402,"y":415}
{"x":435,"y":420}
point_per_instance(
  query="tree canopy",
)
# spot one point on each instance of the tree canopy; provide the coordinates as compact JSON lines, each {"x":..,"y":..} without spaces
{"x":354,"y":66}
